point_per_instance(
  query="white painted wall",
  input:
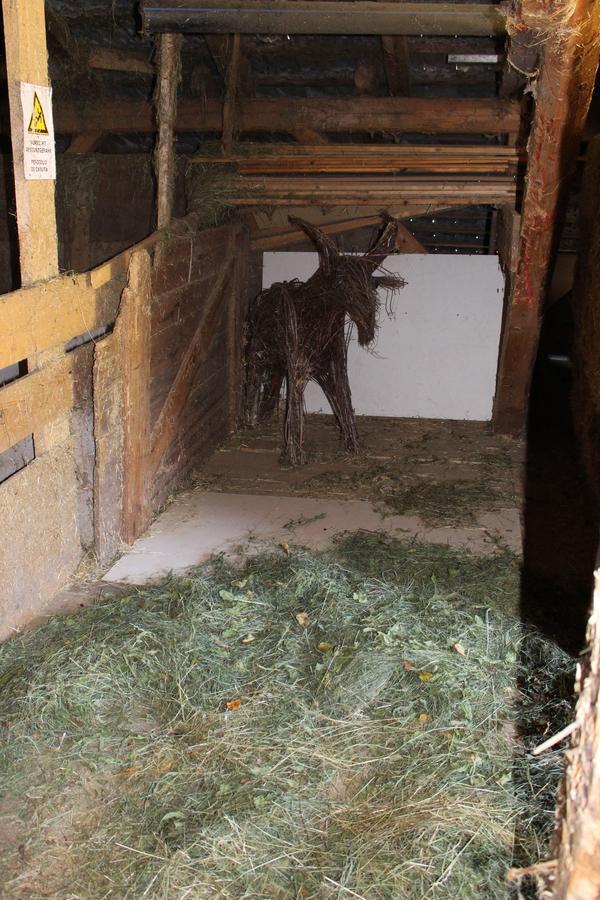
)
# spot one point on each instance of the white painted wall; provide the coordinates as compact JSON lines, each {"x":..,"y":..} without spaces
{"x":437,"y":357}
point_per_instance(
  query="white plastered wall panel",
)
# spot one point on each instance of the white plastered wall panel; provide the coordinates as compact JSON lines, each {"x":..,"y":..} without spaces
{"x":436,"y":357}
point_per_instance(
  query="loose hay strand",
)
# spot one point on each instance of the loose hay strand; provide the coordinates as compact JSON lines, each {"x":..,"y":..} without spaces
{"x":303,"y":728}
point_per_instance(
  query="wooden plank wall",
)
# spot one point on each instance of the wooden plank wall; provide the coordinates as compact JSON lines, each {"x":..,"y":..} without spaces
{"x":129,"y":412}
{"x":195,"y":348}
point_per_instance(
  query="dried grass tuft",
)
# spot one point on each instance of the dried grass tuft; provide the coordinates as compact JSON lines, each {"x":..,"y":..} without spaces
{"x":212,"y":192}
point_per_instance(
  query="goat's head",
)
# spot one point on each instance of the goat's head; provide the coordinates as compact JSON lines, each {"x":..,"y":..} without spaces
{"x":350,"y":279}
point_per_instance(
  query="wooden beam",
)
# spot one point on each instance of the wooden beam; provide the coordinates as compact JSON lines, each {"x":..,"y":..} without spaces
{"x":231,"y":94}
{"x":318,"y":17}
{"x":396,"y":62}
{"x":27,"y":60}
{"x":563,"y":93}
{"x":119,"y":60}
{"x":32,"y":402}
{"x":331,"y":114}
{"x":169,"y":63}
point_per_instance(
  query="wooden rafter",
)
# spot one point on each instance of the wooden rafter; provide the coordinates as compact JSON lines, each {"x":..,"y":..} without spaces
{"x":563,"y":92}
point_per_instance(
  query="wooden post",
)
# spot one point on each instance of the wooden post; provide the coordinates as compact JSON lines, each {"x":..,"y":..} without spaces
{"x":135,"y":312}
{"x":27,"y":60}
{"x":169,"y":53}
{"x":122,"y":417}
{"x":231,"y":93}
{"x":563,"y":93}
{"x":578,"y":871}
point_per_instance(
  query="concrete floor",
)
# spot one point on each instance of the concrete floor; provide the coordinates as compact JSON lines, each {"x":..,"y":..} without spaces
{"x":200,"y":524}
{"x":245,"y":501}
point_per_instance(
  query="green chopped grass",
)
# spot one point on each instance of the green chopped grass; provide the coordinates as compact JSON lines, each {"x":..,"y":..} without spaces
{"x":437,"y":503}
{"x":350,"y":724}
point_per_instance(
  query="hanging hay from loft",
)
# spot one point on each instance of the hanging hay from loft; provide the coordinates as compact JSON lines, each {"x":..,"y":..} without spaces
{"x":211,"y":193}
{"x":298,"y":332}
{"x":315,"y":725}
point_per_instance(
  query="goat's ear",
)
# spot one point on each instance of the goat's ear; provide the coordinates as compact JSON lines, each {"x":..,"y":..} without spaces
{"x":327,"y":250}
{"x":384,"y":243}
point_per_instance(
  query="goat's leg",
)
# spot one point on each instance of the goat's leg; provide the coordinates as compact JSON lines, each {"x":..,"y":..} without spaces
{"x":293,"y":429}
{"x":336,"y":387}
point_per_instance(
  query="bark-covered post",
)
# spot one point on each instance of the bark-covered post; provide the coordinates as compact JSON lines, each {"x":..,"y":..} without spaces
{"x":165,"y":99}
{"x":563,"y":90}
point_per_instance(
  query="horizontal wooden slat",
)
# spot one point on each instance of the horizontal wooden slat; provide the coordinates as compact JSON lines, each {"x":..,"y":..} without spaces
{"x":47,"y":314}
{"x":258,"y":159}
{"x":275,"y":191}
{"x":34,"y":401}
{"x":50,"y":313}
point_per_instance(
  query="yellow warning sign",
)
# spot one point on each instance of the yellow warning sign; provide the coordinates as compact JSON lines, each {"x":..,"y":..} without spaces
{"x":37,"y":122}
{"x":39,"y":156}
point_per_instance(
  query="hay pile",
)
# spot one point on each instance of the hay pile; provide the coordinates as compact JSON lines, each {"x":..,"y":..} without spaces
{"x":314,"y":726}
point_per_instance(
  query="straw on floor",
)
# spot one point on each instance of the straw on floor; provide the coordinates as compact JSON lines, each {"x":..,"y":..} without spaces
{"x":351,"y":724}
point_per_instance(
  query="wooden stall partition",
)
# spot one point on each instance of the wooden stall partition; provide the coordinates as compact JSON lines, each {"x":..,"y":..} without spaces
{"x":117,"y":420}
{"x":167,"y":381}
{"x":47,"y":504}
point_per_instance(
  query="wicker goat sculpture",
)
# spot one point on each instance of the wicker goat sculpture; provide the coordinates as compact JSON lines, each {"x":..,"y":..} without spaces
{"x":298,"y":331}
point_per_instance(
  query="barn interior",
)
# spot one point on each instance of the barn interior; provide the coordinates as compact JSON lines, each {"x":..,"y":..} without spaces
{"x":224,"y":675}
